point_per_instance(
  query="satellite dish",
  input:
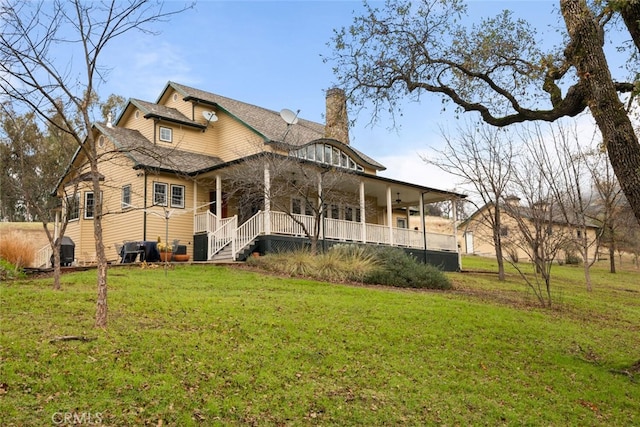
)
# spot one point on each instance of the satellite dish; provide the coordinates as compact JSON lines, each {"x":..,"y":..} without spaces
{"x":289,"y":116}
{"x":210,"y":116}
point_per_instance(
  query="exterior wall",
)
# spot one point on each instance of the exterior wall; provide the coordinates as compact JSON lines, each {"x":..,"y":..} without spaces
{"x":180,"y":223}
{"x":483,"y":239}
{"x":142,"y":125}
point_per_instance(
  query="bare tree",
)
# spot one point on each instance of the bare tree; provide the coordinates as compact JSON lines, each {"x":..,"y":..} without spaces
{"x":482,"y":157}
{"x":629,"y":233}
{"x":34,"y":74}
{"x":537,"y":233}
{"x":306,"y":192}
{"x":609,"y":202}
{"x":561,"y":159}
{"x":496,"y":68}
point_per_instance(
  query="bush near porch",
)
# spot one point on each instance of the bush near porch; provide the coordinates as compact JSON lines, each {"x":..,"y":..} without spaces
{"x":356,"y":263}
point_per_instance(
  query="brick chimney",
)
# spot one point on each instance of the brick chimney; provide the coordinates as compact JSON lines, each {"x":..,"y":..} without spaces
{"x":337,"y":125}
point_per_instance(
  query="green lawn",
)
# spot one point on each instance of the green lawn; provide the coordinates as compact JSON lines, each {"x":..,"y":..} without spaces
{"x":209,"y":345}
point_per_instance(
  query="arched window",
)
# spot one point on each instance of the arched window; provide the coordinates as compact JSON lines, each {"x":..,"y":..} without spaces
{"x":327,"y":154}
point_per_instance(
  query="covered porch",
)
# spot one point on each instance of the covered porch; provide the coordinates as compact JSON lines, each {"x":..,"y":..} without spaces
{"x":381,"y":211}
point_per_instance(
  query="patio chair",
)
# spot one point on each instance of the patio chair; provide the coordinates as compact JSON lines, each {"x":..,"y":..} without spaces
{"x":130,"y":252}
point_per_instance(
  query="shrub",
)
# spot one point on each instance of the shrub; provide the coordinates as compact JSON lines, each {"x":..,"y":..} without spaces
{"x":572,"y":259}
{"x":10,"y":271}
{"x":396,"y":268}
{"x":16,"y":250}
{"x":340,"y":263}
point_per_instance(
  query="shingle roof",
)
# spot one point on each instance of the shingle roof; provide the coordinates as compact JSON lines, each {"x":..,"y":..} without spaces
{"x":267,"y":123}
{"x":147,"y":155}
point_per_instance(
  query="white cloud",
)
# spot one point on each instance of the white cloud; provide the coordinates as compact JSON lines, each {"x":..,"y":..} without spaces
{"x":409,"y":167}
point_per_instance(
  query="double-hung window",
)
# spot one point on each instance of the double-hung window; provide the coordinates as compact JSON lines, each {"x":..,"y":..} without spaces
{"x":89,"y":205}
{"x":177,"y":196}
{"x":126,"y":197}
{"x":160,"y":193}
{"x":73,"y":207}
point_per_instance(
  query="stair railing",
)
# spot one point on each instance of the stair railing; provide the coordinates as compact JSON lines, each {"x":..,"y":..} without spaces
{"x":224,"y":235}
{"x":247,"y":232}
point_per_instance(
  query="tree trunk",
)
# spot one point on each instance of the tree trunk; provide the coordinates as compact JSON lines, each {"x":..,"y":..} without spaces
{"x":56,"y":267}
{"x":612,"y":254}
{"x":101,"y":257}
{"x":586,"y":53}
{"x":497,"y":243}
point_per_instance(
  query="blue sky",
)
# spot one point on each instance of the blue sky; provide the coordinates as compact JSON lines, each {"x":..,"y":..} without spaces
{"x":268,"y":53}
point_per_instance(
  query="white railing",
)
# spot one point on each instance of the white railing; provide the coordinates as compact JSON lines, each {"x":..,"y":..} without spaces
{"x":43,"y":257}
{"x":228,"y":232}
{"x":282,"y":223}
{"x":247,"y":232}
{"x":339,"y":229}
{"x":377,"y":234}
{"x":442,"y":242}
{"x":205,"y":222}
{"x":224,"y":235}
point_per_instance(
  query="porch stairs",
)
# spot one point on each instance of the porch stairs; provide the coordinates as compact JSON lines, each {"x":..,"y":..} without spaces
{"x":230,"y":242}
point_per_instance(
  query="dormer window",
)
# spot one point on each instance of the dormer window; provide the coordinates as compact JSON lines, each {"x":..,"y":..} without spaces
{"x":166,"y":134}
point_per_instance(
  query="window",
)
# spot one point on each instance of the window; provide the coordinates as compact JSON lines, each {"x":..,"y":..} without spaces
{"x":401,"y":222}
{"x":177,"y":196}
{"x":348,"y":213}
{"x":296,"y":206}
{"x":73,"y":207}
{"x":504,"y":231}
{"x":89,"y":205}
{"x":160,"y":194}
{"x":126,"y":197}
{"x":328,"y":154}
{"x":579,"y":234}
{"x":166,"y":134}
{"x":335,"y":212}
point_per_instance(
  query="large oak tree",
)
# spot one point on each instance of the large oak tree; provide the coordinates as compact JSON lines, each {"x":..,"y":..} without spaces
{"x":497,"y":69}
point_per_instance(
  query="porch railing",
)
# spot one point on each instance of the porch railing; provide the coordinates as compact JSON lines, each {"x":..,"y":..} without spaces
{"x":247,"y":232}
{"x":223,"y":235}
{"x":43,"y":257}
{"x":205,"y":222}
{"x":281,"y":223}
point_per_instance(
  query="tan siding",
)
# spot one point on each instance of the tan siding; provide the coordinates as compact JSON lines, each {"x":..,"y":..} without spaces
{"x":179,"y":104}
{"x":142,"y":125}
{"x":239,"y":141}
{"x":180,"y":220}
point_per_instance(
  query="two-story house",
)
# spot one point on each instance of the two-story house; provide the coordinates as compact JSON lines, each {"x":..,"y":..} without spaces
{"x":165,"y":169}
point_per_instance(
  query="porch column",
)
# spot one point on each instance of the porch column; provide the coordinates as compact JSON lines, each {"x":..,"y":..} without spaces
{"x":267,"y":200}
{"x":218,"y":197}
{"x":423,"y":221}
{"x":320,"y":208}
{"x":389,"y":215}
{"x":195,"y":204}
{"x":363,"y":216}
{"x":455,"y":231}
{"x":195,"y":197}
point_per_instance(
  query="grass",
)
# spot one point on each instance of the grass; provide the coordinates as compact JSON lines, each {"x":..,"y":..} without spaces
{"x":213,"y":345}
